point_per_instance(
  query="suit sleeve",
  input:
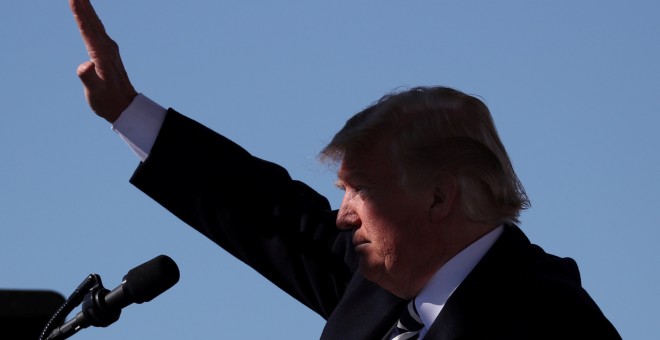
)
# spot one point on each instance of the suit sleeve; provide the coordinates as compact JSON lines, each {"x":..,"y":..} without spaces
{"x":251,"y":208}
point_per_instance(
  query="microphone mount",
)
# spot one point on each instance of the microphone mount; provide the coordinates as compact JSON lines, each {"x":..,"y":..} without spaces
{"x":95,"y":311}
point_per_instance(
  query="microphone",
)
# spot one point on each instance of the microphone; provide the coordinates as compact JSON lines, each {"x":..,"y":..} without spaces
{"x":101,"y":308}
{"x":144,"y":282}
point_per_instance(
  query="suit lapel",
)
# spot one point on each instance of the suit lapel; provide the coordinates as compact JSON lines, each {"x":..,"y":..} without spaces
{"x":365,"y":312}
{"x":475,"y":304}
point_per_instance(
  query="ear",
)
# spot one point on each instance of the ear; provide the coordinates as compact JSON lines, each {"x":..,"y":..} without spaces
{"x":444,"y":198}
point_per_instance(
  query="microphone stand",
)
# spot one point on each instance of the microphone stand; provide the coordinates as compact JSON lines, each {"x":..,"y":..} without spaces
{"x":95,"y":312}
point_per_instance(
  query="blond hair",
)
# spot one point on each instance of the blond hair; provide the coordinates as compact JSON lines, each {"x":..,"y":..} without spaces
{"x":439,"y":130}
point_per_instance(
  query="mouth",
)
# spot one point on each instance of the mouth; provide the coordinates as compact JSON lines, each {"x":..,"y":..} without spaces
{"x":360,"y":243}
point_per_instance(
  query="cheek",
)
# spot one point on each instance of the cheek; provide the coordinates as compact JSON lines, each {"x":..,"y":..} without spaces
{"x":379,"y":258}
{"x":399,"y":236}
{"x":387,"y":239}
{"x":389,"y":226}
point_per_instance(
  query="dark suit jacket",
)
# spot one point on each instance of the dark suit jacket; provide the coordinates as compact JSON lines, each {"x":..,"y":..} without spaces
{"x":286,"y":231}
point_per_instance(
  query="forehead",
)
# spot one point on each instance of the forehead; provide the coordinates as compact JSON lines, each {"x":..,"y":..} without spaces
{"x":370,"y":163}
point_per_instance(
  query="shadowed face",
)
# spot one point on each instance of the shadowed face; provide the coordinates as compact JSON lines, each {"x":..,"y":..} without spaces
{"x":393,"y":233}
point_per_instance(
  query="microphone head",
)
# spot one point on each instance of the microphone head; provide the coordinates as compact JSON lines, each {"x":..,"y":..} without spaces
{"x":150,"y":279}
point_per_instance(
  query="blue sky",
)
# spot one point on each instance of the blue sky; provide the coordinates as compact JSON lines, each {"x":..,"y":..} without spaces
{"x":572,"y":86}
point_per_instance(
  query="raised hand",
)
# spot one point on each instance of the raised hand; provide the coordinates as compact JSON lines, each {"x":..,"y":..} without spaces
{"x":107,"y":87}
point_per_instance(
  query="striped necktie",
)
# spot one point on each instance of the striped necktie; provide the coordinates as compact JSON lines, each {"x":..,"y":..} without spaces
{"x":409,"y":324}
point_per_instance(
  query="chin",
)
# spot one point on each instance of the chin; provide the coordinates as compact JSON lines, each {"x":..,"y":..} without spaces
{"x":374,"y":273}
{"x":370,"y":271}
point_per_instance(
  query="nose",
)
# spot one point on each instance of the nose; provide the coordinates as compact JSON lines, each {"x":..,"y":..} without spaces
{"x":347,"y":218}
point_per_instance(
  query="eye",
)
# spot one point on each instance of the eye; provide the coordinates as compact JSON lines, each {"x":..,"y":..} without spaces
{"x":350,"y":187}
{"x":361,"y":190}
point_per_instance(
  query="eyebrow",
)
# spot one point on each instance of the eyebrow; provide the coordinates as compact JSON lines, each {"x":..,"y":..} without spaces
{"x":355,"y":176}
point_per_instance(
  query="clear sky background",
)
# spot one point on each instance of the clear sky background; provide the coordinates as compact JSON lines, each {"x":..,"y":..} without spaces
{"x":573,"y":87}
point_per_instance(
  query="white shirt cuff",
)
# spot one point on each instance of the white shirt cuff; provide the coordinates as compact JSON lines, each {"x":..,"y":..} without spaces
{"x":139,"y":125}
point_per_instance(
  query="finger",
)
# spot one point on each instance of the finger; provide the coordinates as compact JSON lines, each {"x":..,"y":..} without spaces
{"x":86,"y":16}
{"x":102,"y":50}
{"x":90,"y":26}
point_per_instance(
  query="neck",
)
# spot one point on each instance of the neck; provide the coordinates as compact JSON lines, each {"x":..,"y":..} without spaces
{"x":461,"y":235}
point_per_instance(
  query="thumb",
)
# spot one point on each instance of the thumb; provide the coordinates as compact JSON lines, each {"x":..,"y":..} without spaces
{"x":95,"y":92}
{"x":87,"y":74}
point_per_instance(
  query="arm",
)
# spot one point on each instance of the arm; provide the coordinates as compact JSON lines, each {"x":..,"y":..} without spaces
{"x":250,"y":207}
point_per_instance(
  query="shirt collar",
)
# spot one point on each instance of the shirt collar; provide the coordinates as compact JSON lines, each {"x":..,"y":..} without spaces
{"x":432,"y":298}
